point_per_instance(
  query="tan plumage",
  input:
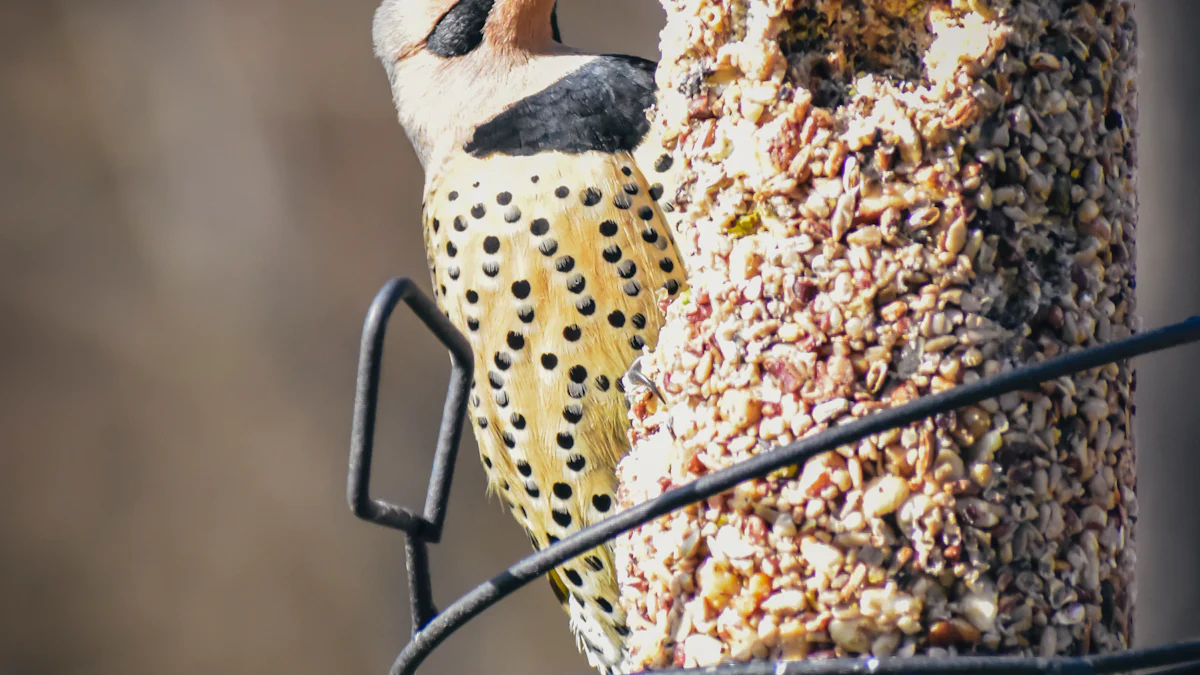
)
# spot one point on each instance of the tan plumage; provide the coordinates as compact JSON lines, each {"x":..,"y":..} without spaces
{"x":552,"y":264}
{"x":550,"y":279}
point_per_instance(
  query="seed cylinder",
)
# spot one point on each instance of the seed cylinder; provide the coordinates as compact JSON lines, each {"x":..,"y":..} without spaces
{"x":885,"y":199}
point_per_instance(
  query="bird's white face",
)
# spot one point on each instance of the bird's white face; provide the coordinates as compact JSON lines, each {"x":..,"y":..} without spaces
{"x":443,"y":89}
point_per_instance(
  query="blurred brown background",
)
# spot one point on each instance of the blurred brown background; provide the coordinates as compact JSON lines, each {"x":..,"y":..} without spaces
{"x":198,"y":199}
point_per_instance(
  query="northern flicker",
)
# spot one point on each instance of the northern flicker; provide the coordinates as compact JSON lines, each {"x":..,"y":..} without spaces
{"x":549,"y":251}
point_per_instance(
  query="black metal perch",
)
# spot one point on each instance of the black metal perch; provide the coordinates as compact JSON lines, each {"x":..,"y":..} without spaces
{"x":431,"y":628}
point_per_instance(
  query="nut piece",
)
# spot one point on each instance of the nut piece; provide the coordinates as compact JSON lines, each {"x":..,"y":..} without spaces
{"x":739,"y":408}
{"x":824,"y":559}
{"x":980,"y":608}
{"x":884,"y":495}
{"x":846,"y":635}
{"x":952,"y":632}
{"x":703,"y":650}
{"x":818,"y":472}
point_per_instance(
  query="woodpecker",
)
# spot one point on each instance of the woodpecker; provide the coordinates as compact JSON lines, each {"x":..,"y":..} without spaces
{"x":544,"y":228}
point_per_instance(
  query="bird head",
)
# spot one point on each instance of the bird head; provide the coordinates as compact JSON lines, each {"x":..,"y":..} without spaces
{"x":454,"y":64}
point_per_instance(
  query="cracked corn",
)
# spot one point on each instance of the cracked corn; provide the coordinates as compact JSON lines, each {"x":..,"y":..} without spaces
{"x":886,"y":199}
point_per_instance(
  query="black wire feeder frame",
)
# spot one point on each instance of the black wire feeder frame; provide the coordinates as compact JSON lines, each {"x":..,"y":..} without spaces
{"x":431,"y":627}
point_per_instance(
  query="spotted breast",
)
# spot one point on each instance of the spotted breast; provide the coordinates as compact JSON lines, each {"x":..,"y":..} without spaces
{"x":550,"y":265}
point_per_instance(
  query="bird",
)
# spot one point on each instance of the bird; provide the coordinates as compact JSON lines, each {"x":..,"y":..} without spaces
{"x":544,"y":221}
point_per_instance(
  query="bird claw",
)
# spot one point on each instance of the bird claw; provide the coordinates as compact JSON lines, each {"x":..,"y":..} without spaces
{"x":636,"y":376}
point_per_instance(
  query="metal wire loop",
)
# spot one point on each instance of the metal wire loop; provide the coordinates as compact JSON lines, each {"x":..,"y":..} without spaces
{"x":426,"y":527}
{"x":430,"y":628}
